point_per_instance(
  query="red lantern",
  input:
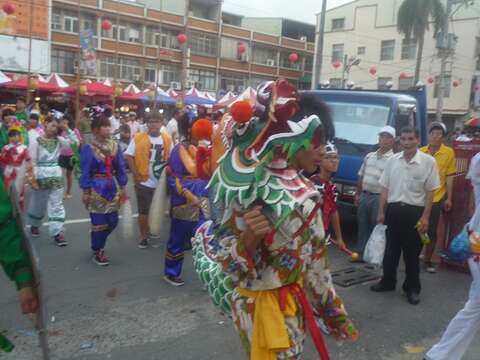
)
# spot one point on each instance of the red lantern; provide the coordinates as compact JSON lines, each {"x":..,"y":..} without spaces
{"x":106,"y":24}
{"x":456,"y":83}
{"x":9,"y":8}
{"x":373,"y":70}
{"x":293,"y":57}
{"x":241,"y":48}
{"x":337,"y":64}
{"x":182,"y":39}
{"x":430,"y":80}
{"x":403,"y":75}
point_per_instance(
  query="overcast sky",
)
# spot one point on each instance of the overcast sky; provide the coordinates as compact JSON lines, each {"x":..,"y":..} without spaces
{"x":302,"y":10}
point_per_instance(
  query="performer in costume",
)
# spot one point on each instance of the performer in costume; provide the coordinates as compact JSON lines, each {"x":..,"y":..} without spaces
{"x":15,"y":162}
{"x":48,"y":180}
{"x":271,"y":238}
{"x":188,"y":173}
{"x":101,"y":163}
{"x":15,"y":261}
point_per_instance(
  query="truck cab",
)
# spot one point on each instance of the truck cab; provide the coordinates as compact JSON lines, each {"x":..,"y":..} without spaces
{"x":358,"y":115}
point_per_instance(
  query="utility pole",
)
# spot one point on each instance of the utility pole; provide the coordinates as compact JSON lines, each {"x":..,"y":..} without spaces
{"x":347,"y":66}
{"x":445,"y":52}
{"x":318,"y":56}
{"x":29,"y":70}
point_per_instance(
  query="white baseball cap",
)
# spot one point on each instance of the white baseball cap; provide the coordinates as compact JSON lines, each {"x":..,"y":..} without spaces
{"x":387,"y":130}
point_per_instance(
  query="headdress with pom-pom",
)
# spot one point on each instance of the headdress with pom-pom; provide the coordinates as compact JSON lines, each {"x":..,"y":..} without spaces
{"x":202,"y":129}
{"x":241,"y":111}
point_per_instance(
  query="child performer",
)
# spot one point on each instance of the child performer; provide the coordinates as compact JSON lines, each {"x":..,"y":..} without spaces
{"x":102,"y":162}
{"x":15,"y":162}
{"x":323,"y":182}
{"x":48,"y":180}
{"x":188,"y":174}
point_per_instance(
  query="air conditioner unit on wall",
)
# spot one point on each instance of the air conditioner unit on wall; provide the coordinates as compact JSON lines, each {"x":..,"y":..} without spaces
{"x":230,"y":87}
{"x":136,"y":77}
{"x":175,"y":85}
{"x":303,"y":38}
{"x":270,"y":62}
{"x":189,"y":84}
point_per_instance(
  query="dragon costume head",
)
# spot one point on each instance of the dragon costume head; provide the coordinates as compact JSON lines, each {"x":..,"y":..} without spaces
{"x":256,"y":164}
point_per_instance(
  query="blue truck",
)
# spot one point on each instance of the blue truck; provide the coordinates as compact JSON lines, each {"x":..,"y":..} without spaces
{"x":358,"y":116}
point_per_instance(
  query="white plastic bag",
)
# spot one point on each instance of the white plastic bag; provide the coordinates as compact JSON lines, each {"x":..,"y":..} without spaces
{"x":375,"y":248}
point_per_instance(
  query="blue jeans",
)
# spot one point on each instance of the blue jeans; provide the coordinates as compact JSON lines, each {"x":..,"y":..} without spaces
{"x":367,"y":213}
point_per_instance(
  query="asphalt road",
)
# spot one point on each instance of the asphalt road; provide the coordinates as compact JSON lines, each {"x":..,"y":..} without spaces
{"x":126,"y":311}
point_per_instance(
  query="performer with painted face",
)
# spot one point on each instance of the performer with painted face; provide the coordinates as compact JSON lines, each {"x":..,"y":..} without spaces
{"x":270,"y":239}
{"x":102,"y":162}
{"x":48,"y":179}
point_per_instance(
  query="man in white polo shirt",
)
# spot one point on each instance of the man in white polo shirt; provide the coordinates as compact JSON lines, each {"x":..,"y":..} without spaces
{"x":369,"y":188}
{"x":408,"y":184}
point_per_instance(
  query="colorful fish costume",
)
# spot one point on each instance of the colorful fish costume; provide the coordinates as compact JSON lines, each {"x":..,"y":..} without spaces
{"x":275,"y":292}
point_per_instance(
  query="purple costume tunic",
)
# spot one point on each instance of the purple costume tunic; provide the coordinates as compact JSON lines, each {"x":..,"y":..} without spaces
{"x":101,"y":164}
{"x":186,"y":218}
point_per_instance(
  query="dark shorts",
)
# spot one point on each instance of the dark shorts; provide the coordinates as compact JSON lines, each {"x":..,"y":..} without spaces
{"x":65,"y":162}
{"x":144,"y":198}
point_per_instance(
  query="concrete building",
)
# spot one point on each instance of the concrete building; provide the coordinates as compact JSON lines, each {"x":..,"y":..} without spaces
{"x":367,"y":29}
{"x":146,"y":34}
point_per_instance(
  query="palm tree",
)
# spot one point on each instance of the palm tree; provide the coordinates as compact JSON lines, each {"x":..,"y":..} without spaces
{"x":414,"y":18}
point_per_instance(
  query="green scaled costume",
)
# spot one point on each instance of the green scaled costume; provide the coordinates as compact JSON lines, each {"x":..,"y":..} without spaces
{"x":13,"y":257}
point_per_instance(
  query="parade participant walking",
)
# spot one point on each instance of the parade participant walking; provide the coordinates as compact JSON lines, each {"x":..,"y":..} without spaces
{"x":48,"y":181}
{"x":101,"y":163}
{"x":147,"y":155}
{"x":369,"y":188}
{"x":172,"y":126}
{"x":34,"y":128}
{"x":14,"y":258}
{"x":442,"y":199}
{"x":188,"y":174}
{"x":462,"y":329}
{"x":408,"y":183}
{"x":9,"y":118}
{"x":15,"y":163}
{"x":66,"y":155}
{"x":133,"y":123}
{"x":329,"y":192}
{"x":21,"y":111}
{"x":271,"y":239}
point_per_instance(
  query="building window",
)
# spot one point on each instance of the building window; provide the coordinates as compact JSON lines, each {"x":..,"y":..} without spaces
{"x":107,"y":67}
{"x":308,"y":63}
{"x":149,"y":73}
{"x":409,"y":49}
{"x":204,"y":79}
{"x":169,"y":73}
{"x":405,"y":83}
{"x":125,"y":31}
{"x":230,"y":49}
{"x":203,"y":44}
{"x":129,"y":69}
{"x":387,"y":50}
{"x":89,"y":23}
{"x":166,"y":39}
{"x":70,"y":24}
{"x":56,"y":20}
{"x":338,"y":24}
{"x":286,"y":63}
{"x":335,"y":83}
{"x":382,"y":83}
{"x":477,"y":53}
{"x":255,"y":82}
{"x":448,"y":82}
{"x":233,"y":82}
{"x":63,"y":61}
{"x":264,"y":56}
{"x":337,"y":52}
{"x":362,"y":50}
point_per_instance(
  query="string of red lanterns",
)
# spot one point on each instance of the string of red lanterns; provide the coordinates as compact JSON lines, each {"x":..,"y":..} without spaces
{"x":106,"y":24}
{"x":182,"y":39}
{"x":9,"y":8}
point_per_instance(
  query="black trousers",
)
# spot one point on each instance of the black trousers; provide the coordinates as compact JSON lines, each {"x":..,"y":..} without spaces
{"x":402,"y":235}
